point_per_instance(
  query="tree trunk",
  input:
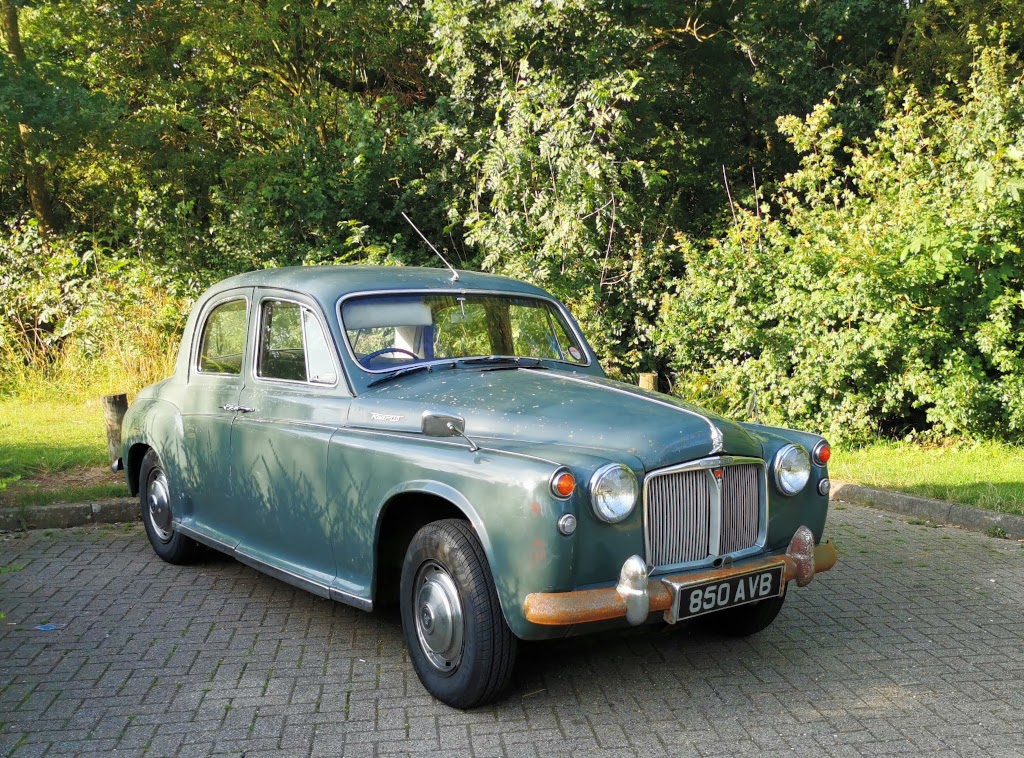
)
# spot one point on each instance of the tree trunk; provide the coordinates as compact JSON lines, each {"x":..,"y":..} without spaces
{"x":35,"y":180}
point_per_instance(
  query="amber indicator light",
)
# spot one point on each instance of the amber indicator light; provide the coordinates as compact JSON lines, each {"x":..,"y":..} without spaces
{"x":564,"y":484}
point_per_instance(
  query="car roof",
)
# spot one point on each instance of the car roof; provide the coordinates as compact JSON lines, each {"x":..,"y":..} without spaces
{"x":329,"y":283}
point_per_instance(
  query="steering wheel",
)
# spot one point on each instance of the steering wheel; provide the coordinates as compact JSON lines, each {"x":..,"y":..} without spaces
{"x":368,"y":358}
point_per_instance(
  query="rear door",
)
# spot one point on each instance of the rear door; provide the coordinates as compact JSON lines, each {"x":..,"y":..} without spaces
{"x":294,"y":398}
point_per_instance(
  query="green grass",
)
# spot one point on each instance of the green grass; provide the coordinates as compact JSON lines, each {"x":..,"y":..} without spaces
{"x":989,"y":475}
{"x":46,"y":437}
{"x":43,"y":441}
{"x":27,"y":495}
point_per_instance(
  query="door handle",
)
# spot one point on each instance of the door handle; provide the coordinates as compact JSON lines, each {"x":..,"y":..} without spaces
{"x":236,"y":408}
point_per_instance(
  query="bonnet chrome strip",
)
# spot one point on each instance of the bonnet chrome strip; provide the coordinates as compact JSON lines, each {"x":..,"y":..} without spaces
{"x":717,"y":441}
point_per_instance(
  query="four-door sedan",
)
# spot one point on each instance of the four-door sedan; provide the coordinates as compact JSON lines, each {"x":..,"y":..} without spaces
{"x":449,"y":442}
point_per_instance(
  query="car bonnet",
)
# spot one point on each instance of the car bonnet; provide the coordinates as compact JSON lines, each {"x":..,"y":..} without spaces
{"x":551,"y":407}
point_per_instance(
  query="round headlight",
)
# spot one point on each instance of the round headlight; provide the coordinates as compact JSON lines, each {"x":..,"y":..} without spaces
{"x":792,"y":469}
{"x":613,"y":492}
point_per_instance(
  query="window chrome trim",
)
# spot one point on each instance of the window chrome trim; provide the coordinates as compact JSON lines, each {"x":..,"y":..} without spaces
{"x":562,"y":310}
{"x":197,"y":346}
{"x":253,"y":367}
{"x":715,"y":526}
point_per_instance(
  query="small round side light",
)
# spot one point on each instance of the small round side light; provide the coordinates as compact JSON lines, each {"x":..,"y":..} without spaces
{"x":563,"y":483}
{"x":567,"y":524}
{"x":824,"y":487}
{"x":821,"y":453}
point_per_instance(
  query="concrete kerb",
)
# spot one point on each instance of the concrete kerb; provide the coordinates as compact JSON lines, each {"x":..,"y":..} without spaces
{"x":63,"y":515}
{"x":936,"y":511}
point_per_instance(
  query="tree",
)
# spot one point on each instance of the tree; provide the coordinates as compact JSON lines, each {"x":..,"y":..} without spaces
{"x":20,"y":74}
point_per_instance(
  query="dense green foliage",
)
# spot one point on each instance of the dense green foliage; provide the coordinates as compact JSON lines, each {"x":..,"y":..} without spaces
{"x":817,"y":202}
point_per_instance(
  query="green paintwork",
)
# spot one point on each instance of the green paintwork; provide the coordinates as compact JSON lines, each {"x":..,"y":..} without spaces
{"x":300,"y":484}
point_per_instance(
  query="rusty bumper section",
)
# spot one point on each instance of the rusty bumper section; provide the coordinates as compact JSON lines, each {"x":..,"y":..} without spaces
{"x":627,"y":599}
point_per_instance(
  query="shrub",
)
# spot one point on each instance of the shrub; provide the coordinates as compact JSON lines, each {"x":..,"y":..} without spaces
{"x":886,"y":293}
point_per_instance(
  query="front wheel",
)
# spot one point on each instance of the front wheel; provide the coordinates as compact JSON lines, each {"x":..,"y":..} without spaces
{"x":744,"y":620}
{"x":459,"y":642}
{"x":157,"y":516}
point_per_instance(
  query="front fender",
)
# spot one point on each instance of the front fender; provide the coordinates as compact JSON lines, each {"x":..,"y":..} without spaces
{"x":505,"y":496}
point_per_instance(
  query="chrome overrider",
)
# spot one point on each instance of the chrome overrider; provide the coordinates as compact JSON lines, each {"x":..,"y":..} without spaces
{"x":636,"y":595}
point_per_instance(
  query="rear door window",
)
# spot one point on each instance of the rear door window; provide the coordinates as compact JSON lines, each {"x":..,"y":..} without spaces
{"x":223,"y":342}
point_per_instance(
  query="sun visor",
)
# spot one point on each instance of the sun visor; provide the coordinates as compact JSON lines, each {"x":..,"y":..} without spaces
{"x":370,"y":315}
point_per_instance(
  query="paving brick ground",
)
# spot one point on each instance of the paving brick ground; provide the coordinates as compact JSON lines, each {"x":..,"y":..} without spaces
{"x":914,"y":644}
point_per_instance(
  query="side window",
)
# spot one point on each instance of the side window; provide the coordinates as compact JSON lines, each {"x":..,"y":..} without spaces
{"x":223,"y":341}
{"x":292,"y":345}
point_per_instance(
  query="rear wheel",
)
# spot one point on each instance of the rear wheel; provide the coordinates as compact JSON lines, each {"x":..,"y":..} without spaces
{"x":157,"y":516}
{"x":459,"y":643}
{"x":743,"y":620}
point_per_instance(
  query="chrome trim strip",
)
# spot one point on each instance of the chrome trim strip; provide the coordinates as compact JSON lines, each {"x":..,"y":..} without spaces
{"x":349,"y":599}
{"x":567,"y":317}
{"x":715,"y":523}
{"x":715,"y":517}
{"x":292,"y":422}
{"x":206,"y":539}
{"x":282,"y":574}
{"x":437,"y":441}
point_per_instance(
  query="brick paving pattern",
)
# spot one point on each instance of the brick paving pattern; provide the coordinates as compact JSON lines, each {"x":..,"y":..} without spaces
{"x":914,"y":644}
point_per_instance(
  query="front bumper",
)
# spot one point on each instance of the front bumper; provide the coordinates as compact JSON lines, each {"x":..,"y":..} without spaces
{"x":636,"y":596}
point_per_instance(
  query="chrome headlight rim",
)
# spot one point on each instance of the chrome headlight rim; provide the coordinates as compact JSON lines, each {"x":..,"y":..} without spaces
{"x":600,"y":507}
{"x":803,"y":476}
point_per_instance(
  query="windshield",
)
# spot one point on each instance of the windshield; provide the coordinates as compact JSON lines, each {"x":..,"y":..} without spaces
{"x":386,"y":332}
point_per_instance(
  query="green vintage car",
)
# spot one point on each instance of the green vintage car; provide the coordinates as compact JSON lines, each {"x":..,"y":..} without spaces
{"x":448,"y":441}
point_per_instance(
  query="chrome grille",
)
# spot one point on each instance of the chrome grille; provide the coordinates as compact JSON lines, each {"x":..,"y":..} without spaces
{"x":690,"y":517}
{"x":740,"y":511}
{"x":678,"y":517}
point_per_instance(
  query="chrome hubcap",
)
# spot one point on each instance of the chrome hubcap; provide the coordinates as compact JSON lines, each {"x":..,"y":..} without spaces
{"x":438,"y":612}
{"x":158,"y":496}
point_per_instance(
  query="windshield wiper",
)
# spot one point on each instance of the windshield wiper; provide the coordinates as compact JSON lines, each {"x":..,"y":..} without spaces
{"x":498,"y":362}
{"x":402,"y":372}
{"x":488,"y":359}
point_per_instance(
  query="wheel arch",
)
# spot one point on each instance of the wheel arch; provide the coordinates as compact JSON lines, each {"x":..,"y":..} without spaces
{"x":133,"y":465}
{"x":406,"y":510}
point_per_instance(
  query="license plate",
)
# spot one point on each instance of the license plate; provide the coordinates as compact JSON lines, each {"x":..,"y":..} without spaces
{"x":712,"y":595}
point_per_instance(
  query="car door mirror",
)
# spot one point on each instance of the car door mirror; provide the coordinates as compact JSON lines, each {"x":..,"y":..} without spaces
{"x":446,"y":425}
{"x":443,"y":425}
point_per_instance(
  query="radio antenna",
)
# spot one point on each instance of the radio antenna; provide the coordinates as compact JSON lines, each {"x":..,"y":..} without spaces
{"x":455,"y":274}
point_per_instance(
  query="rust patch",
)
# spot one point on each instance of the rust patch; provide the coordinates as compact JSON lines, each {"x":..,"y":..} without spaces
{"x":540,"y":552}
{"x":536,"y":508}
{"x":583,"y":606}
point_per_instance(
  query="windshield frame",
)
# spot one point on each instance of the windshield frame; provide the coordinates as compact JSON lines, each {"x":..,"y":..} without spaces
{"x":569,"y":322}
